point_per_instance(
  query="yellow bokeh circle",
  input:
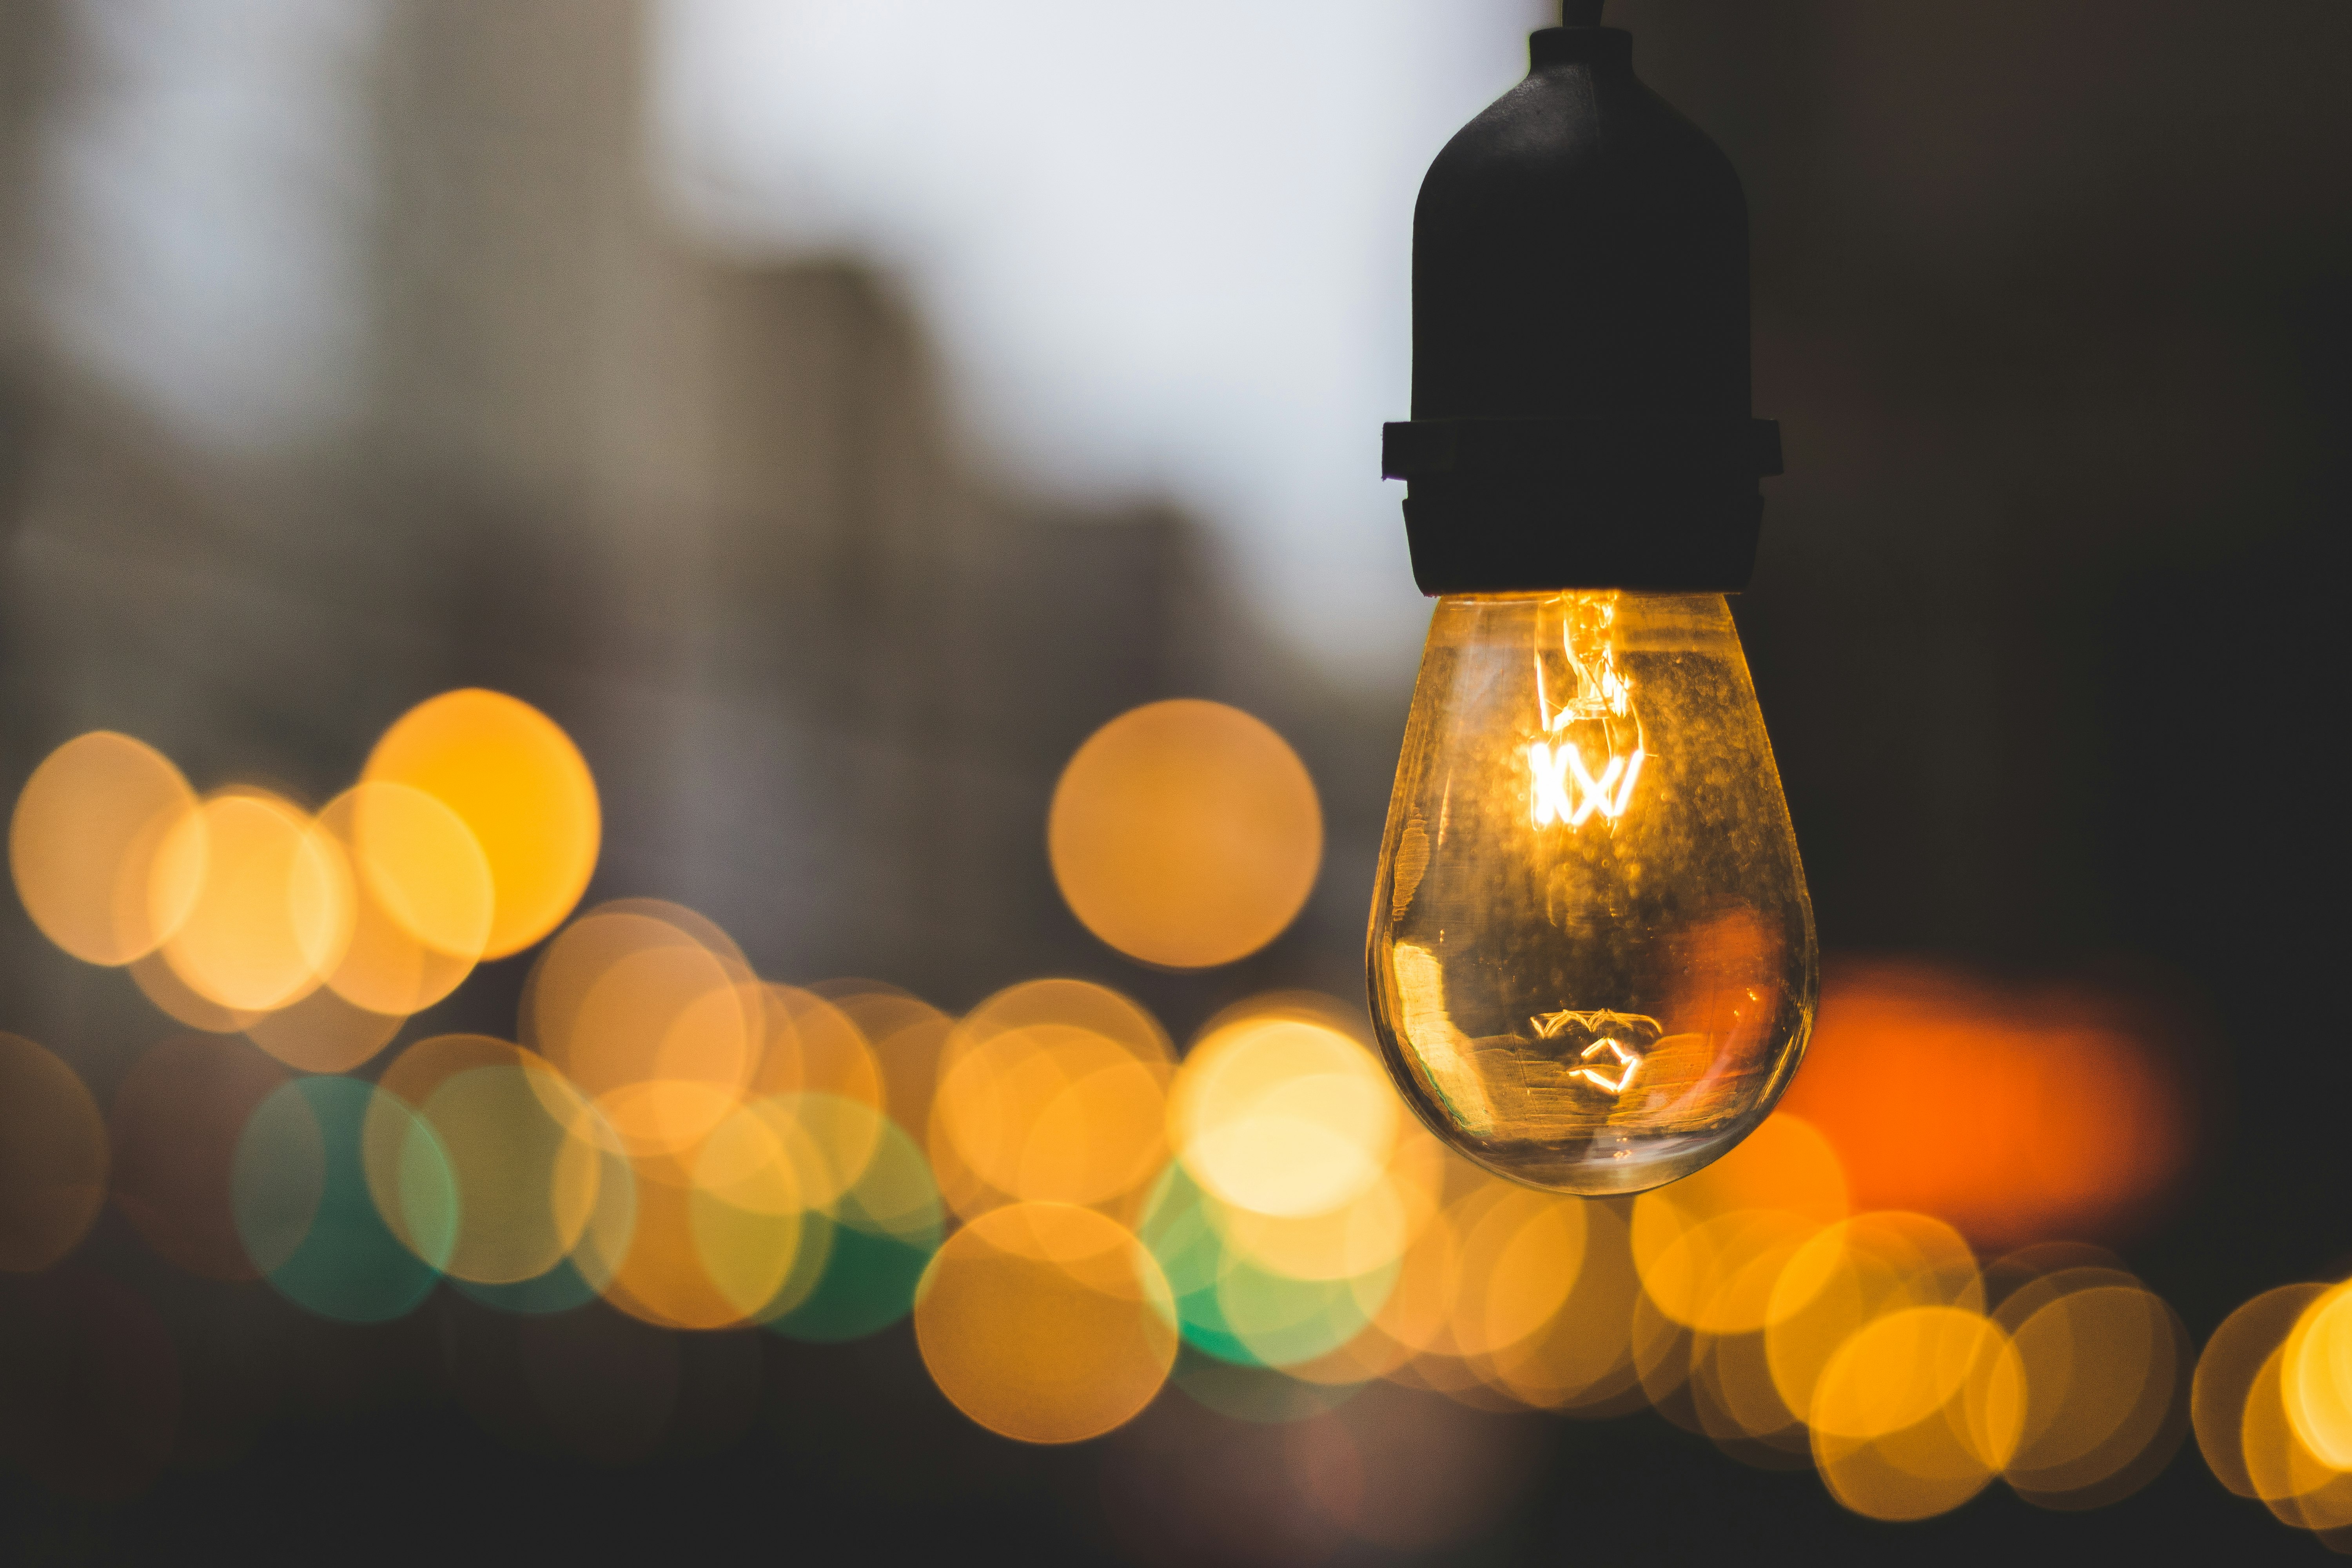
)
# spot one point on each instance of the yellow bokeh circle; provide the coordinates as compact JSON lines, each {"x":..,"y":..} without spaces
{"x":2227,"y":1370}
{"x":1185,"y":834}
{"x":421,"y":899}
{"x":1283,"y":1114}
{"x":83,"y":842}
{"x":515,"y":779}
{"x":2319,"y":1379}
{"x":1046,"y":1322}
{"x":656,"y":1019}
{"x":512,"y":1133}
{"x":2104,"y":1368}
{"x":1917,"y":1411}
{"x":273,"y":911}
{"x":422,"y":864}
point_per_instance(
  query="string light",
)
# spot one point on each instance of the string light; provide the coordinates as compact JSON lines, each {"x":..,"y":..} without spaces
{"x":1587,"y":818}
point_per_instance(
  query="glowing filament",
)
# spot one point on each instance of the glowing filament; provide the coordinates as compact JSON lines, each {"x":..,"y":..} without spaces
{"x":1553,"y":768}
{"x":1628,"y":1064}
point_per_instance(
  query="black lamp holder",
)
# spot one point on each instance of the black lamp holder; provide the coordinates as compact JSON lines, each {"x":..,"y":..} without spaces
{"x":1580,"y":402}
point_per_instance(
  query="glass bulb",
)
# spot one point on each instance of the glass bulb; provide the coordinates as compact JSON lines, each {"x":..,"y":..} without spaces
{"x":1591,"y":956}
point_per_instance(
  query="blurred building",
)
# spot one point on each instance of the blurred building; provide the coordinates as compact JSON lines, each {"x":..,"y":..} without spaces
{"x":706,"y":511}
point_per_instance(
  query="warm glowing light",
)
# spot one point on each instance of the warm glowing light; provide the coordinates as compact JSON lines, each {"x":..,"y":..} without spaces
{"x":1733,"y":1395}
{"x":2299,"y":1487}
{"x":1254,"y":1289}
{"x":1519,"y":1262}
{"x":819,"y":1069}
{"x":1417,"y":1316}
{"x":520,"y":786}
{"x":863,"y":1256}
{"x":813,"y":1047}
{"x":1848,"y":1275}
{"x":1280,"y":1111}
{"x":1358,"y":1289}
{"x":2227,"y":1371}
{"x":2315,"y":1379}
{"x":83,"y":846}
{"x":2051,"y":1118}
{"x":2107,"y":1386}
{"x":1046,"y":1322}
{"x":908,"y":1035}
{"x":1917,"y":1411}
{"x":1066,"y":1003}
{"x":827,"y":1142}
{"x":1583,"y":1357}
{"x":1351,"y":1241}
{"x":515,"y":1140}
{"x":273,"y":910}
{"x":421,"y":899}
{"x":1718,"y":1276}
{"x":748,"y":1206}
{"x":1897,"y":1370}
{"x":660,"y":1031}
{"x":423,"y":865}
{"x":698,"y":1260}
{"x":53,"y":1157}
{"x":1592,"y":956}
{"x":1185,"y":834}
{"x":1613,"y":1075}
{"x":1708,"y":1248}
{"x":1259,"y":1223}
{"x":1056,"y":1113}
{"x":1552,"y":769}
{"x":1049,"y":1091}
{"x":320,"y":1033}
{"x":733,"y":1108}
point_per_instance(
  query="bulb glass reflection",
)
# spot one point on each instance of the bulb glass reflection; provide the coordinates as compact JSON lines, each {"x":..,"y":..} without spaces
{"x":1591,"y":957}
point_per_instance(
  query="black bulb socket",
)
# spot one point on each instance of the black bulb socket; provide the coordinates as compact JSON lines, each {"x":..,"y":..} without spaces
{"x":1582,"y":411}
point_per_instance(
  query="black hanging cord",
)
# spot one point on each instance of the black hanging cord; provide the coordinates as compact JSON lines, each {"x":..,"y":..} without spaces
{"x":1581,"y":13}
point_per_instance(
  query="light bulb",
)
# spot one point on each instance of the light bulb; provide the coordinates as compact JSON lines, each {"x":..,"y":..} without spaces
{"x":1591,"y":957}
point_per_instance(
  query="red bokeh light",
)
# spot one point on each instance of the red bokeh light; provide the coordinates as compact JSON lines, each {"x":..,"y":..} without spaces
{"x":2017,"y":1114}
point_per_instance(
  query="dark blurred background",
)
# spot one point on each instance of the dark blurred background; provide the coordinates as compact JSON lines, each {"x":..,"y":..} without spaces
{"x":2053,"y":303}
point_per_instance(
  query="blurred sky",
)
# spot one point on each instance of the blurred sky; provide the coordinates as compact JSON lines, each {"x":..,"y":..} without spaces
{"x":1167,"y":248}
{"x":204,"y":242}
